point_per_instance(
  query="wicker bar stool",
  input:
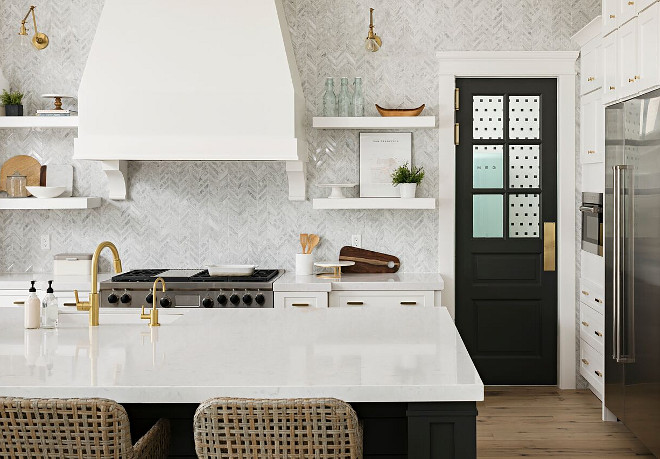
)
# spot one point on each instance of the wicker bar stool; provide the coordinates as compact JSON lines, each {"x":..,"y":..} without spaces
{"x":229,"y":428}
{"x":74,"y":428}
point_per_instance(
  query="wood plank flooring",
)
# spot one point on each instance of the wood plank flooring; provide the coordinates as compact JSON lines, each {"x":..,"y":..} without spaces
{"x":547,"y":422}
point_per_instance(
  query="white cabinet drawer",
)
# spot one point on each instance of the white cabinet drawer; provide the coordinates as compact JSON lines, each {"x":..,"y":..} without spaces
{"x":592,"y":328}
{"x":592,"y":366}
{"x":381,"y":299}
{"x":301,"y":300}
{"x":593,"y":295}
{"x":13,"y":298}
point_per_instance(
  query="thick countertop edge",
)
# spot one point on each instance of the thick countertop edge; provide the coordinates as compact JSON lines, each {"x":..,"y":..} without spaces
{"x":197,"y":394}
{"x":290,"y":282}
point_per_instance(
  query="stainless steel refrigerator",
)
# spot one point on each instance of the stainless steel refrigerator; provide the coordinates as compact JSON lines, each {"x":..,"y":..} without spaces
{"x":632,"y":265}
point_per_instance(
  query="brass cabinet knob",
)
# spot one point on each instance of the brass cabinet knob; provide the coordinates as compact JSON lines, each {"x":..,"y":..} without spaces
{"x":597,"y":333}
{"x":631,"y":80}
{"x":586,"y":324}
{"x":598,"y":300}
{"x":584,"y":292}
{"x":637,"y":77}
{"x":612,"y":16}
{"x":585,"y":361}
{"x":590,"y":152}
{"x":591,"y":78}
{"x":612,"y":88}
{"x":631,"y":3}
{"x":600,"y":375}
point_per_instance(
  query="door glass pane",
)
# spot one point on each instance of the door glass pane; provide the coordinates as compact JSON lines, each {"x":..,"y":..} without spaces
{"x":487,"y":166}
{"x":524,"y":166}
{"x":523,"y":215}
{"x":487,"y":215}
{"x":487,"y":116}
{"x":524,"y":116}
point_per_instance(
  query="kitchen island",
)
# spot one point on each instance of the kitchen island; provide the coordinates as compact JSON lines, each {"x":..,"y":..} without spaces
{"x":406,"y":371}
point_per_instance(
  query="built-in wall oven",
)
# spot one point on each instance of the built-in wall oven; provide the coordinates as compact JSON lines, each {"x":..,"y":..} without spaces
{"x":592,"y":223}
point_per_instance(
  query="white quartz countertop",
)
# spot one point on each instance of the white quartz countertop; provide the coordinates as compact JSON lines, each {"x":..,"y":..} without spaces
{"x":357,"y":355}
{"x":21,"y":281}
{"x":289,"y":282}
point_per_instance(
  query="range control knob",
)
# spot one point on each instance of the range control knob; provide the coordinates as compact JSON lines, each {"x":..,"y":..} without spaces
{"x":113,"y":298}
{"x":235,"y":299}
{"x":260,"y":299}
{"x":247,"y":298}
{"x":207,"y":302}
{"x":165,"y":302}
{"x":149,"y":299}
{"x":222,"y":299}
{"x":125,"y":298}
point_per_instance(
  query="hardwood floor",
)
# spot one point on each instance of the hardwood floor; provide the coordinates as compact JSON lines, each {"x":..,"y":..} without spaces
{"x":547,"y":422}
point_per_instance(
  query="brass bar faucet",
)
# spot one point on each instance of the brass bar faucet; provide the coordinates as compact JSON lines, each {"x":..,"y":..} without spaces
{"x":153,"y":314}
{"x":93,"y":304}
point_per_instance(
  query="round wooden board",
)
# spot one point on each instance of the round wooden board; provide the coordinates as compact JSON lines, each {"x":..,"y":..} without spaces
{"x":23,"y":164}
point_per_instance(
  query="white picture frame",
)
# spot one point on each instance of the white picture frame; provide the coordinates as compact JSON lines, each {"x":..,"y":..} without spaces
{"x":380,"y":154}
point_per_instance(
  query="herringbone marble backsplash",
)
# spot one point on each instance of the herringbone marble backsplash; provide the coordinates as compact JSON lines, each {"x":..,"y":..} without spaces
{"x":183,"y":214}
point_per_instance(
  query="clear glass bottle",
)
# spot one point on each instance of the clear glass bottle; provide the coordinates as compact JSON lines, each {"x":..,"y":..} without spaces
{"x":358,"y":97}
{"x":329,"y":98}
{"x":49,"y":311}
{"x":344,"y":99}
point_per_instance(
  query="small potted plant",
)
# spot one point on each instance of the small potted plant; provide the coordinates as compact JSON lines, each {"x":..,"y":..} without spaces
{"x":12,"y":102}
{"x":407,"y":179}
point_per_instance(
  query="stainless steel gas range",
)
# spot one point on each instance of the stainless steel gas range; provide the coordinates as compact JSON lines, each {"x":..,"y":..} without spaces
{"x":190,"y":288}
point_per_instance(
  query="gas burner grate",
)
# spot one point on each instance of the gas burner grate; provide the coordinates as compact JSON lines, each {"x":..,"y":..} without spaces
{"x":148,"y":275}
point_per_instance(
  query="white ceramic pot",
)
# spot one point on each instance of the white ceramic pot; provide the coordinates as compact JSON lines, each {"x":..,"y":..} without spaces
{"x":304,"y":264}
{"x":408,"y":190}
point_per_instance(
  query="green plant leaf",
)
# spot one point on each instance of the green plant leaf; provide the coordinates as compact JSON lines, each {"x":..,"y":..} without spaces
{"x":405,"y":174}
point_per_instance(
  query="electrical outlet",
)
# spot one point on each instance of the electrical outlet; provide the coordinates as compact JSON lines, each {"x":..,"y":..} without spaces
{"x":45,"y":242}
{"x":356,"y":241}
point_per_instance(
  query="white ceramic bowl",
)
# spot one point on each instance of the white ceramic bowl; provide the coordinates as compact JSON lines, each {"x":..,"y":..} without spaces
{"x":46,"y":191}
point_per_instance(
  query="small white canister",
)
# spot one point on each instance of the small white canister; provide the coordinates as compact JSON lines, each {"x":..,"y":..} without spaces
{"x":72,"y":264}
{"x":304,"y":264}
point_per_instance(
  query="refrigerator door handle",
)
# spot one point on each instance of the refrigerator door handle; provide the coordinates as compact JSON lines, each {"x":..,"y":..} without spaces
{"x":616,"y":250}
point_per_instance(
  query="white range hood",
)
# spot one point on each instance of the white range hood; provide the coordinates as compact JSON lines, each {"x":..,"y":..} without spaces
{"x":191,"y":80}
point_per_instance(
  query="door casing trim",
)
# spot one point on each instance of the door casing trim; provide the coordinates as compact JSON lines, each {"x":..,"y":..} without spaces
{"x":515,"y":64}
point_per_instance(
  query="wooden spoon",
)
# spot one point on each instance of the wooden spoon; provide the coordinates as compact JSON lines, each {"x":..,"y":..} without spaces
{"x":313,"y":242}
{"x":303,"y":241}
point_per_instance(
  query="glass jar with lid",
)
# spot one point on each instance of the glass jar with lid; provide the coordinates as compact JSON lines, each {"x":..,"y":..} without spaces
{"x":16,"y":185}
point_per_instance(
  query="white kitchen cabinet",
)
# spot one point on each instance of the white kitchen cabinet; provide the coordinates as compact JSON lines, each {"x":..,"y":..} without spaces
{"x":627,"y":73}
{"x":611,"y":10}
{"x":610,"y":53}
{"x":648,"y":47}
{"x":591,"y":72}
{"x":592,"y":127}
{"x":643,"y":4}
{"x":628,"y":10}
{"x":592,"y":368}
{"x":300,"y":300}
{"x":381,"y":299}
{"x":11,"y":298}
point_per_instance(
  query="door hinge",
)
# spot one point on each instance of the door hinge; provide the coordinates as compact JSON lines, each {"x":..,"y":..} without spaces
{"x":457,"y":93}
{"x":457,"y":128}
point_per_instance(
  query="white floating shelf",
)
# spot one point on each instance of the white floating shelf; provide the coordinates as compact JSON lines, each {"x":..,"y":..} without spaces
{"x":51,"y":203}
{"x":373,"y":122}
{"x":9,"y":122}
{"x":374,"y":203}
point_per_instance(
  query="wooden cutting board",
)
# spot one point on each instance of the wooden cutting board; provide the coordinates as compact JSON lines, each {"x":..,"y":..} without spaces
{"x":23,"y":164}
{"x":367,"y":261}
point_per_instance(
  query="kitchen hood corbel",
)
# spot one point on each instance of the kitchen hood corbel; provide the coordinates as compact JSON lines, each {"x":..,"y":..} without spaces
{"x":235,"y":101}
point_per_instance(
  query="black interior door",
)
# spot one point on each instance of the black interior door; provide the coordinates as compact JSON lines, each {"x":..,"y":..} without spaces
{"x":506,"y":203}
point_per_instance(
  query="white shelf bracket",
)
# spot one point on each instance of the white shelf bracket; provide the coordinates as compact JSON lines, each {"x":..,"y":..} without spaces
{"x":117,"y":173}
{"x":296,"y":172}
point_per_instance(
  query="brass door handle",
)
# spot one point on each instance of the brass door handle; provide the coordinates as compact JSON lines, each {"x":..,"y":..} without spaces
{"x":408,"y":303}
{"x":586,"y":324}
{"x":355,"y":303}
{"x":585,"y":361}
{"x":549,"y":257}
{"x":457,"y":133}
{"x":597,"y":333}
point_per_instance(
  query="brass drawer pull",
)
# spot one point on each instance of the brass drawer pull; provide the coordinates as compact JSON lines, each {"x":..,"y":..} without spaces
{"x":612,"y":16}
{"x":584,"y":292}
{"x":597,"y":333}
{"x":600,"y":375}
{"x":637,"y":77}
{"x":408,"y":303}
{"x":631,"y":3}
{"x":585,"y":361}
{"x":586,"y":324}
{"x":612,"y":88}
{"x":598,"y":300}
{"x":69,"y":304}
{"x":631,"y":80}
{"x":591,"y":78}
{"x":591,"y":152}
{"x":299,"y":304}
{"x":355,"y":303}
{"x":19,"y":302}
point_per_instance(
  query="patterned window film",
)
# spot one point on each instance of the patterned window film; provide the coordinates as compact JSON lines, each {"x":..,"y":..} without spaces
{"x":488,"y":166}
{"x":524,"y":117}
{"x":524,"y":166}
{"x":487,"y":117}
{"x":524,"y":215}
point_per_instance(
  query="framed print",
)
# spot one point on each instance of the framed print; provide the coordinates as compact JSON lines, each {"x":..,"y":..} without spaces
{"x":380,"y":154}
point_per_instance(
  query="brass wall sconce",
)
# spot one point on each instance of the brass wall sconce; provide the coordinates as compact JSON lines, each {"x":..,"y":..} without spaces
{"x":373,"y":41}
{"x":39,"y":39}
